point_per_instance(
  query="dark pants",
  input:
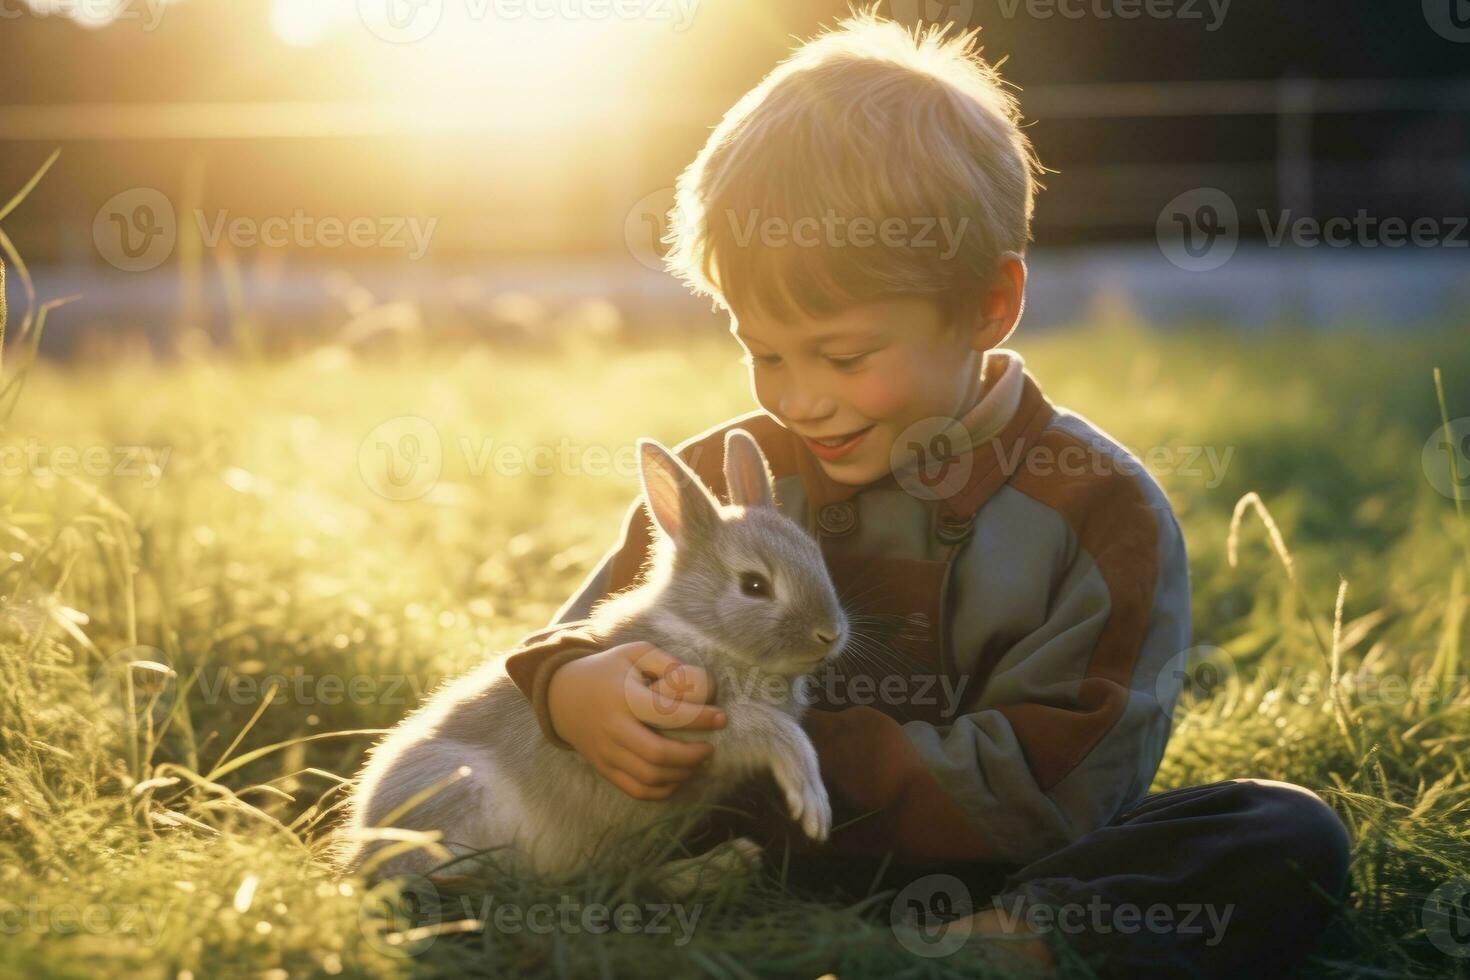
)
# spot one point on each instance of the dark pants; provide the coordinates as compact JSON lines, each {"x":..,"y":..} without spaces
{"x":1219,"y":880}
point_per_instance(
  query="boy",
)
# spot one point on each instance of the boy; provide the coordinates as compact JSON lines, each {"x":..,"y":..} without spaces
{"x":1020,"y":581}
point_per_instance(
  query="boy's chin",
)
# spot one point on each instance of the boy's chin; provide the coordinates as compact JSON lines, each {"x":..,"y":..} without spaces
{"x":857,"y":472}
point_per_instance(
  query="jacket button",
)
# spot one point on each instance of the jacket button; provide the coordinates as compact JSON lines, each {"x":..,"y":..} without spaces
{"x":953,"y":528}
{"x":837,"y":519}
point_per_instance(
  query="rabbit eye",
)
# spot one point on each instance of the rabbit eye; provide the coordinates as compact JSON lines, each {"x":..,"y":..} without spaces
{"x":755,"y":584}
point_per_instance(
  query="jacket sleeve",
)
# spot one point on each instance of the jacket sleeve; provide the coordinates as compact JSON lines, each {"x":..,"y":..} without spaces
{"x":531,"y":664}
{"x":1067,"y":731}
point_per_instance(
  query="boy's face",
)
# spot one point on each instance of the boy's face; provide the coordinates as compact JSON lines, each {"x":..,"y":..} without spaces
{"x":866,"y":374}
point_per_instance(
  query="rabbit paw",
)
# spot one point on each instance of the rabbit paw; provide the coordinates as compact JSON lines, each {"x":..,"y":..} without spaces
{"x":806,"y":801}
{"x":740,"y":856}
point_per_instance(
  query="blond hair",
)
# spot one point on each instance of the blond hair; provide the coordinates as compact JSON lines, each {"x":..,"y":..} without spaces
{"x":865,"y":121}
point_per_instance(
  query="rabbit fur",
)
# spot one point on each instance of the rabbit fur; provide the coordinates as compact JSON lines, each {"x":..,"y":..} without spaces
{"x":700,"y":603}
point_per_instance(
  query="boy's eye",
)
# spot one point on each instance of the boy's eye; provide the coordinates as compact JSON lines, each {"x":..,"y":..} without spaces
{"x":768,"y":359}
{"x":849,"y":361}
{"x":755,"y":584}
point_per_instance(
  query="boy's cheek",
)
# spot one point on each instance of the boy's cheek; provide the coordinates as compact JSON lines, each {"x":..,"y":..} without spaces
{"x":767,"y":397}
{"x":878,"y":398}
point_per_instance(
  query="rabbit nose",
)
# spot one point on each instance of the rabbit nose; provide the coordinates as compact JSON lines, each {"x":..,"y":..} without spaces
{"x":825,"y":638}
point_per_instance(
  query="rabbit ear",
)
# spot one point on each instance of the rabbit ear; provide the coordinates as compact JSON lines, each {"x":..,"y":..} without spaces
{"x":745,"y":471}
{"x":677,"y":500}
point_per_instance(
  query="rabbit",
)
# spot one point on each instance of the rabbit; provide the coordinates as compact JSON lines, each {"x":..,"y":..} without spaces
{"x":739,"y":590}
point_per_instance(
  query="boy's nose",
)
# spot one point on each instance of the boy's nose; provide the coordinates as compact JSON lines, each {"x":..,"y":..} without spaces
{"x":804,"y":409}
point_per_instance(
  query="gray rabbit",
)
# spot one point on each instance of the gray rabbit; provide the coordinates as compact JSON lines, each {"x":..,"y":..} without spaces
{"x":739,"y":590}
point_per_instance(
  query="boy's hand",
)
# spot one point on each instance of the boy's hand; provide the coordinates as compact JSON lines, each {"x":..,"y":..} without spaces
{"x":604,"y":703}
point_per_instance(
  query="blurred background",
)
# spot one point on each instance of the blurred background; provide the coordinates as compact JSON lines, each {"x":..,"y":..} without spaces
{"x":480,"y":166}
{"x":439,"y":222}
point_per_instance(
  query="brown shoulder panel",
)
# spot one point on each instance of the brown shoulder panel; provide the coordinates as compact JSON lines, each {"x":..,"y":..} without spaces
{"x":1114,"y":523}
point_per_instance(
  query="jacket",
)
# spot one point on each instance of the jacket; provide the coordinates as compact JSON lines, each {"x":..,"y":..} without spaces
{"x":1022,"y":608}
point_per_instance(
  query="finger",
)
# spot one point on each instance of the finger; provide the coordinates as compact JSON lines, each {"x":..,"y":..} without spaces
{"x":635,"y":789}
{"x":650,"y":661}
{"x":659,"y":750}
{"x":660,"y":709}
{"x":648,"y":773}
{"x":685,"y":682}
{"x":706,"y":717}
{"x":617,"y":777}
{"x":655,"y":665}
{"x":682,"y":689}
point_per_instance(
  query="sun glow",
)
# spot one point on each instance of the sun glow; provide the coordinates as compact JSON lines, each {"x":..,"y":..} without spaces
{"x":300,"y":23}
{"x":516,"y":58}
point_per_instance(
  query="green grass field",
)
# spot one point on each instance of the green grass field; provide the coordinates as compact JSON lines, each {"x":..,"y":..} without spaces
{"x":258,"y":550}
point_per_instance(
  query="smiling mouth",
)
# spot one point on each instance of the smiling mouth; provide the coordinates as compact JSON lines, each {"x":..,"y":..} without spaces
{"x":835,"y":441}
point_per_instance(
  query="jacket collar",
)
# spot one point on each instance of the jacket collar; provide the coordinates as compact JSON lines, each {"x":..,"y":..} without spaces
{"x":990,"y":439}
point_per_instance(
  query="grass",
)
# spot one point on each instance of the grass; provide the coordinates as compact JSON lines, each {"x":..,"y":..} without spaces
{"x":299,"y":611}
{"x":214,"y":595}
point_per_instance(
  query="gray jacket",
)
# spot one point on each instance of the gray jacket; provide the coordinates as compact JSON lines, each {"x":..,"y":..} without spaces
{"x":1026,"y":613}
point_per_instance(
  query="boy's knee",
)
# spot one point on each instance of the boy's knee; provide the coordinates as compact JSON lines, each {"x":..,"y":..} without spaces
{"x":1303,"y":828}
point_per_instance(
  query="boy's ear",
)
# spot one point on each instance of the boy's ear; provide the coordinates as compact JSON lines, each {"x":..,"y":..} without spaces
{"x":745,"y":471}
{"x":1003,"y":304}
{"x":677,"y":501}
